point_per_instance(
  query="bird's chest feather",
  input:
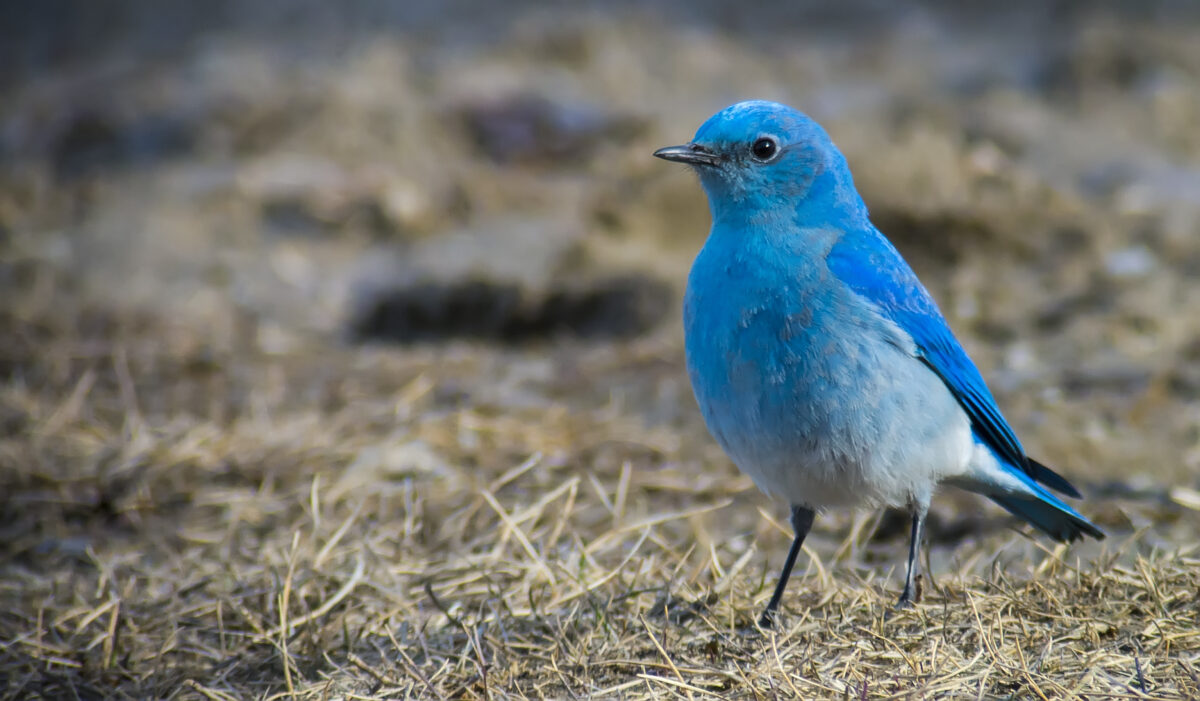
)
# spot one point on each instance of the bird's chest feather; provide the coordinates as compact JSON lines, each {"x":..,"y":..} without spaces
{"x":761,"y":330}
{"x":786,"y":360}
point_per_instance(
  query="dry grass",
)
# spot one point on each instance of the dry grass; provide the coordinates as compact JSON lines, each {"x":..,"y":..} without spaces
{"x":362,"y":523}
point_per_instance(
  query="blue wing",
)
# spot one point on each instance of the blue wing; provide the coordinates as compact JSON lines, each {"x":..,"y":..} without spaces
{"x":867,"y":262}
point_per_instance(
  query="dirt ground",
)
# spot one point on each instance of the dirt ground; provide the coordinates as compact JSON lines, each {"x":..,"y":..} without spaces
{"x":340,"y":353}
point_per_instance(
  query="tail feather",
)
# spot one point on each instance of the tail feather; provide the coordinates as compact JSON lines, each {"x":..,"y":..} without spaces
{"x":1056,"y":520}
{"x":1020,"y":494}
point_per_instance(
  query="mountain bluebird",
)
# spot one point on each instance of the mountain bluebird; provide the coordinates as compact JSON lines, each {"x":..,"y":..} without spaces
{"x":820,"y":363}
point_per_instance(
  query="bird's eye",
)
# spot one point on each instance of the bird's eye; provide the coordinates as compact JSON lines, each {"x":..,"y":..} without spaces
{"x":764,"y":149}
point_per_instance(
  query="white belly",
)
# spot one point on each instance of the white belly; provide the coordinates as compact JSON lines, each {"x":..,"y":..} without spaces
{"x":867,"y":475}
{"x":876,"y":427}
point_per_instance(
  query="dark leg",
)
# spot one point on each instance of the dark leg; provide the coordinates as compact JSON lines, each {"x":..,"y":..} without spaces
{"x":914,"y":548}
{"x":802,"y":521}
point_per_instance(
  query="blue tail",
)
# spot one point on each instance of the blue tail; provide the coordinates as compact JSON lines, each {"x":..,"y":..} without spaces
{"x":1050,"y":516}
{"x":1021,"y":495}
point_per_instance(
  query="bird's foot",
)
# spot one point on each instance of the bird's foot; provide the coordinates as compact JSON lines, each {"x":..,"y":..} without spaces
{"x":905,"y":602}
{"x":910,"y":595}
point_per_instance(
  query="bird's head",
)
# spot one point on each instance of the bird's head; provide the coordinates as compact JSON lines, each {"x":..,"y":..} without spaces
{"x":757,"y":155}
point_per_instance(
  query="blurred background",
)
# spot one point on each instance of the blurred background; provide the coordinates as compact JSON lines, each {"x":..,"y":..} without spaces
{"x":406,"y":245}
{"x":271,"y":176}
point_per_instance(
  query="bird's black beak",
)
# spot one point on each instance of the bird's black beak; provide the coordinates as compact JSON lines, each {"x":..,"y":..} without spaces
{"x":692,"y":154}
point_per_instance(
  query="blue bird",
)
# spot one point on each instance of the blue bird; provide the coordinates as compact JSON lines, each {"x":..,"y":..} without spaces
{"x":820,"y":363}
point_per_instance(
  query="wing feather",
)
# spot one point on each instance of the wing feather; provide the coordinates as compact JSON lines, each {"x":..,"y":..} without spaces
{"x":868,"y":263}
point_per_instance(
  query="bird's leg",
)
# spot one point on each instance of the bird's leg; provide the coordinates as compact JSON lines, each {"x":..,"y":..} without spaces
{"x":914,"y":548}
{"x":802,"y":521}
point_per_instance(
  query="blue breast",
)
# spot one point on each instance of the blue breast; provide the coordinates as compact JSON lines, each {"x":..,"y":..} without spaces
{"x":784,"y":359}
